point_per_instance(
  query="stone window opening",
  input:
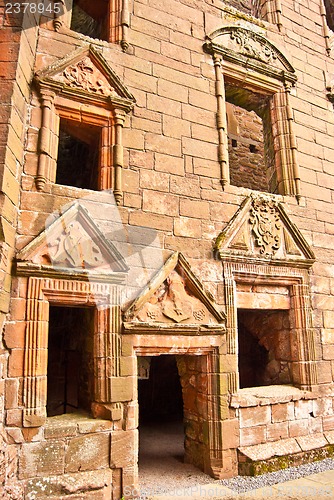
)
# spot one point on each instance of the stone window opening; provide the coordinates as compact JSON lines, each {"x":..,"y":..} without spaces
{"x":264,"y":348}
{"x":63,"y":87}
{"x":90,"y":18}
{"x":70,"y":374}
{"x":265,"y":10}
{"x":107,"y":20}
{"x":250,"y":140}
{"x":78,"y":158}
{"x":252,"y":73}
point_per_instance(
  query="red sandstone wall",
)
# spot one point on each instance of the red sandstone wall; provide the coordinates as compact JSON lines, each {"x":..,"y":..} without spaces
{"x":171,"y":176}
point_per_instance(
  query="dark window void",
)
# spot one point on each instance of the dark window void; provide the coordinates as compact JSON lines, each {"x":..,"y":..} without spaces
{"x":90,"y":18}
{"x":329,"y":6}
{"x":251,"y":151}
{"x":160,"y":396}
{"x":70,"y":360}
{"x":78,"y":155}
{"x":264,"y":347}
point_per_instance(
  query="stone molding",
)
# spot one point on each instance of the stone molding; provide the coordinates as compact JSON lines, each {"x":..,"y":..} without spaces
{"x":304,"y":367}
{"x":252,"y":61}
{"x":260,"y":245}
{"x":105,"y":298}
{"x":72,"y":242}
{"x":83,"y":76}
{"x":249,"y":48}
{"x":262,"y":231}
{"x":85,"y":73}
{"x":176,"y":300}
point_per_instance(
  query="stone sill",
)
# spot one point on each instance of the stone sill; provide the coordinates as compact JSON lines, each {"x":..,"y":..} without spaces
{"x":268,"y":395}
{"x":74,"y":424}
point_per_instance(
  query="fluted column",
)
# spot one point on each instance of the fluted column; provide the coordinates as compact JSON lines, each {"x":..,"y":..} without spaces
{"x":44,"y":146}
{"x":221,"y":122}
{"x":118,"y":154}
{"x":292,"y":140}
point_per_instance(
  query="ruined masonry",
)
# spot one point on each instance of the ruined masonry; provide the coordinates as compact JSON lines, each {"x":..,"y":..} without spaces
{"x":167,"y":194}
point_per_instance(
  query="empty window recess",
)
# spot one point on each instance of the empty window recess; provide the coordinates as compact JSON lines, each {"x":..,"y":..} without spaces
{"x":70,"y":360}
{"x":250,"y":141}
{"x":91,"y":18}
{"x":264,"y":347}
{"x":78,"y":155}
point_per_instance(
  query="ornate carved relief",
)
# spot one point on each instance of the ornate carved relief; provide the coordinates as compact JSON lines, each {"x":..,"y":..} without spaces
{"x":175,"y":296}
{"x":244,"y":46}
{"x":251,"y":45}
{"x":261,"y":229}
{"x":265,"y":224}
{"x":86,"y":70}
{"x":73,"y":240}
{"x":75,"y":248}
{"x":84,"y":75}
{"x":173,"y":302}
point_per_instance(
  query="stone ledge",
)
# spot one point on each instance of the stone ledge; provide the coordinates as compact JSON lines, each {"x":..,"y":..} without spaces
{"x":74,"y":424}
{"x":268,"y":450}
{"x":268,"y":395}
{"x":270,"y":457}
{"x":70,"y":484}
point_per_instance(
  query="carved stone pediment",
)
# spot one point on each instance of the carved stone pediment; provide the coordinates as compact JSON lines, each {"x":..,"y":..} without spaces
{"x":175,"y":298}
{"x":262,"y":230}
{"x":251,"y":49}
{"x":72,"y":242}
{"x":87,"y":72}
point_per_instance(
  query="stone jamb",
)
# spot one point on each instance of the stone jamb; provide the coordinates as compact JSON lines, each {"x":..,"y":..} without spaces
{"x":296,"y":280}
{"x":107,"y":343}
{"x":211,"y":347}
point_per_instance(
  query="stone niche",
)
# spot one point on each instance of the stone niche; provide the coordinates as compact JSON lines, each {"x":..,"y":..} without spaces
{"x":264,"y":347}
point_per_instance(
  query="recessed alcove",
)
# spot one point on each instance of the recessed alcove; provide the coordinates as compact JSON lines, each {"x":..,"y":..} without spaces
{"x":70,"y":360}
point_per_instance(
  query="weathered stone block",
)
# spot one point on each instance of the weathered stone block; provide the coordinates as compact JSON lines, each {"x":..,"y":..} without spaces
{"x":258,"y":415}
{"x":124,"y":448}
{"x":88,"y":452}
{"x":80,"y":485}
{"x":42,"y":459}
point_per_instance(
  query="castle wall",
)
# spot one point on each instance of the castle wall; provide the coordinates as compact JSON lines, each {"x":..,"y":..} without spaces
{"x":172,"y":200}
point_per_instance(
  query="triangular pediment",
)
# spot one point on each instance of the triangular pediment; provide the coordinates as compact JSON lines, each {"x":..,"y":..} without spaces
{"x":176,"y":297}
{"x":251,"y":49}
{"x":262,"y":230}
{"x":85,"y":72}
{"x":73,"y":242}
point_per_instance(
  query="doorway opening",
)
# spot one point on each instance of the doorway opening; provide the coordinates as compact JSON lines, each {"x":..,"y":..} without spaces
{"x":173,"y":415}
{"x":264,"y":338}
{"x":160,"y":394}
{"x":70,"y":372}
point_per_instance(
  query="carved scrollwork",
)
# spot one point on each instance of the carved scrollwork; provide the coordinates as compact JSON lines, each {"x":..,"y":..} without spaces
{"x":266,"y":226}
{"x":84,"y":75}
{"x":250,"y":45}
